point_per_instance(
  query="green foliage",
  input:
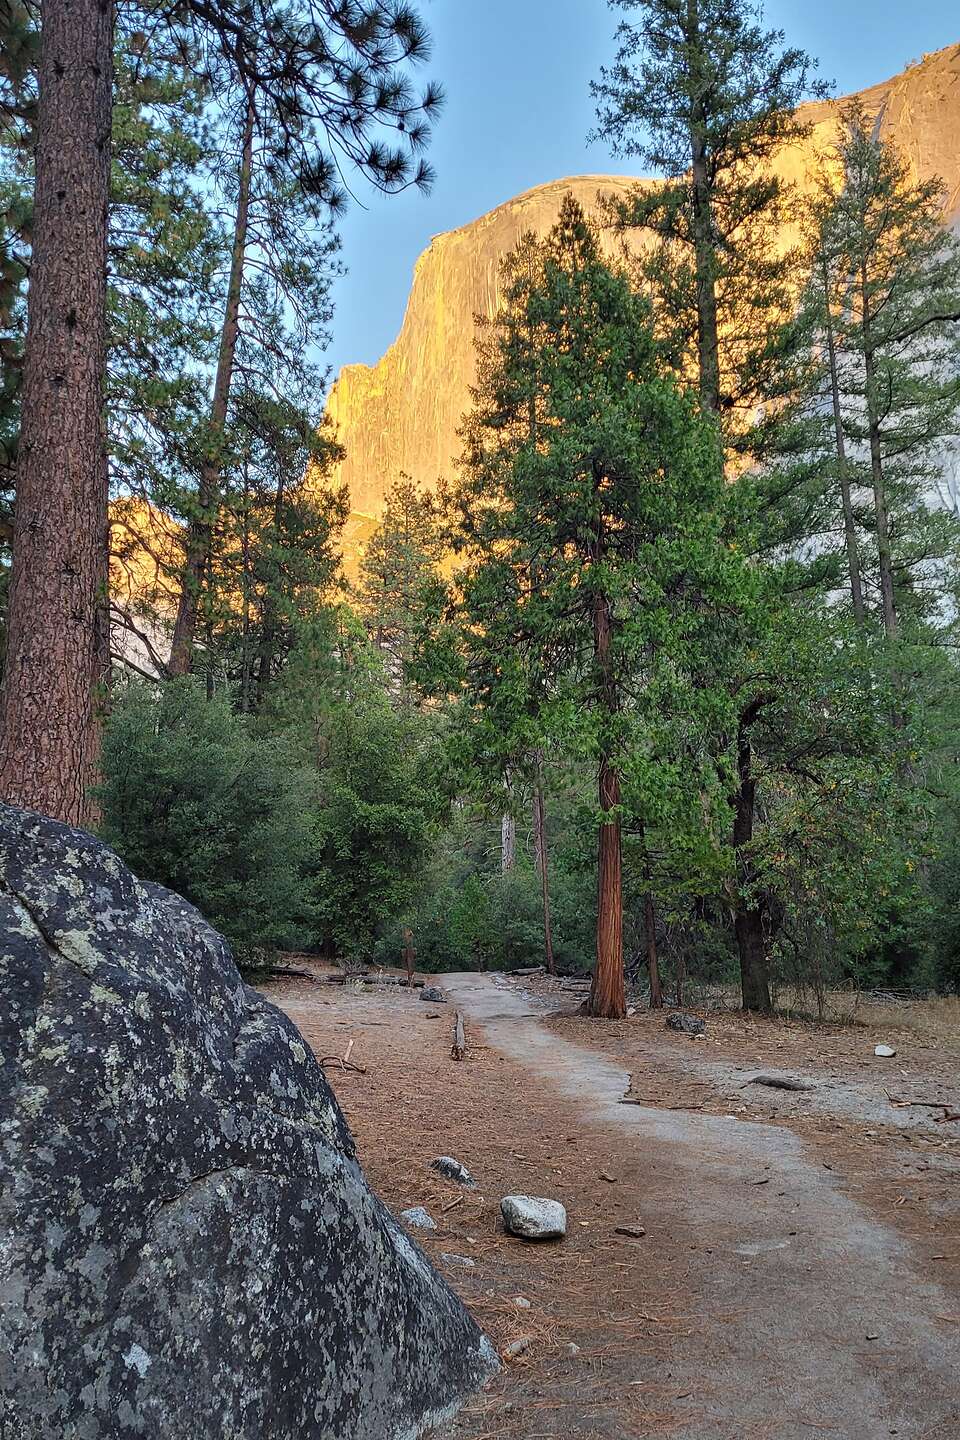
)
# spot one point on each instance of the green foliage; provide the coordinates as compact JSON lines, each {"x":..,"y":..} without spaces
{"x":195,"y":799}
{"x":380,"y":798}
{"x":399,"y":590}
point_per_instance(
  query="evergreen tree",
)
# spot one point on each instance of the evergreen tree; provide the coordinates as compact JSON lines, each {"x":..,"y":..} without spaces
{"x":277,"y":552}
{"x":701,"y":93}
{"x":889,"y":291}
{"x":398,"y":587}
{"x":302,"y":91}
{"x":164,"y":250}
{"x":589,"y":505}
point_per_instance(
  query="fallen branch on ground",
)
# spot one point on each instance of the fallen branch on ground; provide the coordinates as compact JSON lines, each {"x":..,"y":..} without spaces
{"x":345,"y":1062}
{"x":948,"y":1111}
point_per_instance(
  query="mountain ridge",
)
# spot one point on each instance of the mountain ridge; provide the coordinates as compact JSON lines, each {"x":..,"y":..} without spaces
{"x":401,"y":414}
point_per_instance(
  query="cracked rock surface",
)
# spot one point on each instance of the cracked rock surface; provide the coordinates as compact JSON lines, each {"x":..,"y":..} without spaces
{"x":188,"y":1246}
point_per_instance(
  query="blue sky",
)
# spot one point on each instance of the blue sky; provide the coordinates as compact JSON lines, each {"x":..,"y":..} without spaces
{"x":517,"y":75}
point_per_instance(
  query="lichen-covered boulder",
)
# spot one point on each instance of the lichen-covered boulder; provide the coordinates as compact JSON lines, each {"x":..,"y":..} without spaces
{"x":188,"y":1248}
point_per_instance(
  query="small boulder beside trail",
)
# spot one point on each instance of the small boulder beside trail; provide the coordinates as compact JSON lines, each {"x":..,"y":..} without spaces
{"x":432,"y":995}
{"x":531,"y":1218}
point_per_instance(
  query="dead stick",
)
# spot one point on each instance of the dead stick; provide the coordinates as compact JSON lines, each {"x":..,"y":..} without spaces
{"x":459,"y":1048}
{"x":344,"y":1064}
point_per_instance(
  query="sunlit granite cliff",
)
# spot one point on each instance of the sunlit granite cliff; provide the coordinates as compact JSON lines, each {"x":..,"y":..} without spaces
{"x":402,"y":414}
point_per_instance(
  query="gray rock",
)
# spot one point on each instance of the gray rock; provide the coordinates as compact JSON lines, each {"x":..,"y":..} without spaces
{"x":459,"y":1262}
{"x":189,"y":1246}
{"x":686,"y":1024}
{"x":533,"y":1219}
{"x":432,"y":995}
{"x":418,"y":1218}
{"x":451,"y":1169}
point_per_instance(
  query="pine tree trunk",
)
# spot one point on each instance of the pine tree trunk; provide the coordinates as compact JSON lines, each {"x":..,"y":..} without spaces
{"x":58,"y":618}
{"x":704,"y":247}
{"x":200,"y":528}
{"x":607,"y":993}
{"x":881,"y":518}
{"x":653,"y":964}
{"x":542,"y":860}
{"x":849,"y":523}
{"x":748,"y":916}
{"x":245,"y":666}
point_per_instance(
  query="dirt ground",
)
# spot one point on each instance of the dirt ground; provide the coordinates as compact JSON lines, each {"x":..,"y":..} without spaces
{"x":800,"y":1271}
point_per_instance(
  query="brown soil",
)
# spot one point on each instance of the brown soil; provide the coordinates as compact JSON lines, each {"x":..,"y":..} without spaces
{"x":661,"y":1335}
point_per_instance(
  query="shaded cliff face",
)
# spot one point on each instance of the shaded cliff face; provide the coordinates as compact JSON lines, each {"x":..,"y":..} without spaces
{"x":403,"y":413}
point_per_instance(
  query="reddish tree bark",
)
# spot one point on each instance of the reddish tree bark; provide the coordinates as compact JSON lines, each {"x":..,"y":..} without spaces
{"x":607,"y":993}
{"x":58,"y":629}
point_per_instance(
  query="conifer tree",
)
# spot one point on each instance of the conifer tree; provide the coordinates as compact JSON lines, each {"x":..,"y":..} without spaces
{"x":305,"y":92}
{"x":701,"y":93}
{"x":398,"y":582}
{"x":889,"y":283}
{"x":588,"y":509}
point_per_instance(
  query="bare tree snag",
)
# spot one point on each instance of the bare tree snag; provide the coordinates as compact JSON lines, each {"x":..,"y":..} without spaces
{"x":58,"y":633}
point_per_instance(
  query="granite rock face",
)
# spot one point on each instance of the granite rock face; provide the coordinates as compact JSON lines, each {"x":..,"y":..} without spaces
{"x":188,"y":1247}
{"x":403,"y":414}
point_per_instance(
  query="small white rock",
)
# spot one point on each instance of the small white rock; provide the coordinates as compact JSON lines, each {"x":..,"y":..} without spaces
{"x":521,"y":1302}
{"x":533,"y":1219}
{"x":885,"y":1052}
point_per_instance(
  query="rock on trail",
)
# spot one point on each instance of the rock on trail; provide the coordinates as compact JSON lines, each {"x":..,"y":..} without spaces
{"x":188,"y":1246}
{"x":532,"y":1218}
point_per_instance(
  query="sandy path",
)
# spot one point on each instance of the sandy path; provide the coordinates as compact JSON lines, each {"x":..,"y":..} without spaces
{"x":812,"y":1310}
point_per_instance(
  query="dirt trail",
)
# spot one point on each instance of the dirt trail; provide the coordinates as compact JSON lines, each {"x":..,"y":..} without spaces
{"x":811,"y":1309}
